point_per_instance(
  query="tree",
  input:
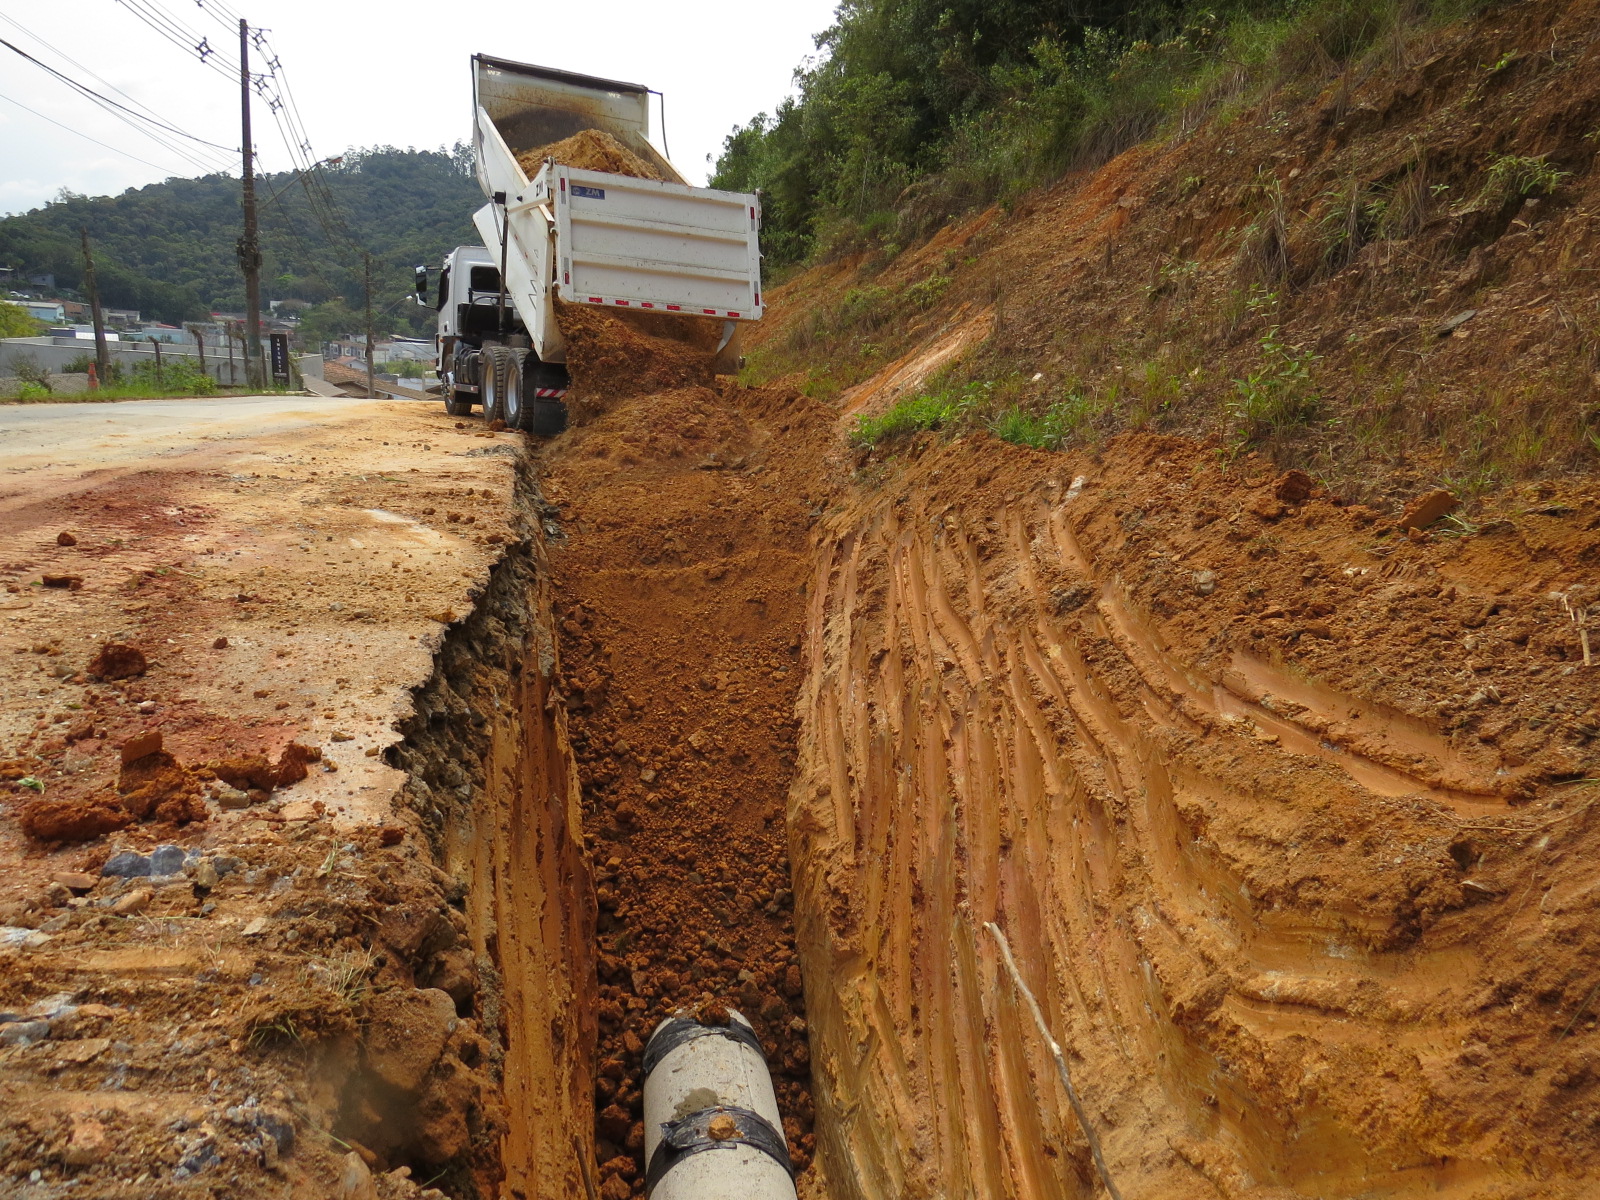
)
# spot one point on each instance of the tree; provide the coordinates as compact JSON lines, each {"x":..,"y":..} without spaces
{"x":15,"y":321}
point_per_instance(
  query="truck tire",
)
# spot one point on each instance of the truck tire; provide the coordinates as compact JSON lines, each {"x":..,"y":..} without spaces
{"x":499,"y":362}
{"x":513,"y":395}
{"x":458,"y":404}
{"x":546,"y":418}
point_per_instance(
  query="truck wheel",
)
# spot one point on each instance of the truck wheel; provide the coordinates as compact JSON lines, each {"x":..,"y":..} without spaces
{"x":495,"y":362}
{"x":458,"y":404}
{"x":513,"y":405}
{"x":546,"y":418}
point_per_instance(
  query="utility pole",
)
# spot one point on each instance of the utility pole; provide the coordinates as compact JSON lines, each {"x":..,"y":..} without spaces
{"x":102,"y":356}
{"x":249,"y":246}
{"x":370,"y":368}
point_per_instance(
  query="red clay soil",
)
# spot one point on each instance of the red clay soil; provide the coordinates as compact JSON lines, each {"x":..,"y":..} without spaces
{"x":680,"y":611}
{"x":1288,"y":814}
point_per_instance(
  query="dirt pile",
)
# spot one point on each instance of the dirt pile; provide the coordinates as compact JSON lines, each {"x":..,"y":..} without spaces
{"x":590,"y":150}
{"x":613,"y":356}
{"x":677,"y":594}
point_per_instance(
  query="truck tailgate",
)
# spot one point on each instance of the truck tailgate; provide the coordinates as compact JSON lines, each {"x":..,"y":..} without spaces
{"x":637,"y":243}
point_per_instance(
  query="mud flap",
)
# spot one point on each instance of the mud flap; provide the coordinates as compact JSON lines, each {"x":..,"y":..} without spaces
{"x":730,"y":350}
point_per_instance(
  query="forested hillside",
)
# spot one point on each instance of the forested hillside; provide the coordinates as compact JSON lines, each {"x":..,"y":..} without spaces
{"x":916,"y":111}
{"x":169,"y":249}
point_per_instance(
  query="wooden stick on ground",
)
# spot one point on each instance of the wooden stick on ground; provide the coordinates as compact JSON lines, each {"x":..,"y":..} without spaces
{"x":1061,"y":1062}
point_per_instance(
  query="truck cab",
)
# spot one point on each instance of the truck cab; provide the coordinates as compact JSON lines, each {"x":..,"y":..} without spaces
{"x":484,"y":351}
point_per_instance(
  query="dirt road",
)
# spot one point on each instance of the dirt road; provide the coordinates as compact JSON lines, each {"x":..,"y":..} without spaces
{"x":283,"y":570}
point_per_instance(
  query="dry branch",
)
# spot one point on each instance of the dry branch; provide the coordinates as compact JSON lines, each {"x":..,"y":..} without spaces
{"x":1061,"y":1062}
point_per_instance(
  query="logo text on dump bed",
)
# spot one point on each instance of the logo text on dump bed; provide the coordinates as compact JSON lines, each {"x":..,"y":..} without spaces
{"x":588,"y":193}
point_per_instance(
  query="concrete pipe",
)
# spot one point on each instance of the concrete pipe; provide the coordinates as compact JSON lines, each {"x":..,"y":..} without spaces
{"x":711,"y":1124}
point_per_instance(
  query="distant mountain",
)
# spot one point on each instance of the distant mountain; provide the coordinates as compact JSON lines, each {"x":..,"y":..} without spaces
{"x":169,"y":249}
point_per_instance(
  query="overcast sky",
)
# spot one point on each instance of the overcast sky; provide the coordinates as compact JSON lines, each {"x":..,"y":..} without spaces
{"x":363,"y":74}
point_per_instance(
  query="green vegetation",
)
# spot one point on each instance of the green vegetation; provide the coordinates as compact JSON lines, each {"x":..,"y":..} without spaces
{"x":919,"y":110}
{"x":15,"y":321}
{"x":914,"y":414}
{"x":1277,"y":395}
{"x":405,"y":368}
{"x":168,"y":249}
{"x":1511,"y":177}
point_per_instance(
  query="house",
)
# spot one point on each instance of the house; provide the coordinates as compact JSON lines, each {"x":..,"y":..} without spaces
{"x":121,"y":318}
{"x":51,"y":311}
{"x":158,"y":332}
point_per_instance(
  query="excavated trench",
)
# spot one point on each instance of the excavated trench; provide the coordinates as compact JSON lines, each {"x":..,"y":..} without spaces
{"x":716,"y":731}
{"x":601,"y":762}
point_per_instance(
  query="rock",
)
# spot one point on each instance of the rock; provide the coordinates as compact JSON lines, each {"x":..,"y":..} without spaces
{"x":406,"y":1033}
{"x":231,"y":797}
{"x":76,"y":881}
{"x":1205,"y":582}
{"x":49,"y":819}
{"x":24,"y":1033}
{"x":1317,"y":629}
{"x":613,"y":1123}
{"x":355,"y":1180}
{"x":133,"y":902}
{"x":118,"y":661}
{"x":141,"y":745}
{"x":722,"y":1127}
{"x":205,"y":876}
{"x":1268,"y":508}
{"x":1454,"y":323}
{"x":303,"y":810}
{"x":126,"y":865}
{"x":147,"y":707}
{"x":1426,"y":509}
{"x":75,"y":582}
{"x":256,"y":926}
{"x":83,"y":1050}
{"x":616,"y":1188}
{"x":166,"y":860}
{"x":220,"y":644}
{"x":88,"y":1144}
{"x":1293,"y":487}
{"x":65,"y":539}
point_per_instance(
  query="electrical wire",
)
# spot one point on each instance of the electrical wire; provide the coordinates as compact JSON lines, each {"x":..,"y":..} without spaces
{"x":106,"y":100}
{"x":81,"y":134}
{"x":65,"y":57}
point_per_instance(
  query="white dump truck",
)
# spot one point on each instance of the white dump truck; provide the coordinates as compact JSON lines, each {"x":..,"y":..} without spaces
{"x":578,"y":237}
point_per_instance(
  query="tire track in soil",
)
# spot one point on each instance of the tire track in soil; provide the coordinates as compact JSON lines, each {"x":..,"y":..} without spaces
{"x":680,"y":604}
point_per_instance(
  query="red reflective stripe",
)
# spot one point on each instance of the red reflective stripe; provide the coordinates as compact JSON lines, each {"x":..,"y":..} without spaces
{"x":563,"y":183}
{"x":596,"y":300}
{"x":645,"y":304}
{"x":624,"y":303}
{"x":709,"y":311}
{"x":733,"y":314}
{"x":567,"y":278}
{"x":675,"y":307}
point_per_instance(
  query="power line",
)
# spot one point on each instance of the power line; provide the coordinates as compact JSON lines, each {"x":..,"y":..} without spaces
{"x":64,"y":56}
{"x":81,"y":134}
{"x":99,"y":99}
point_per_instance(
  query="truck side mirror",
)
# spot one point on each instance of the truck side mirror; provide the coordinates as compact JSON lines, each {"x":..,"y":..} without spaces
{"x":422,"y":285}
